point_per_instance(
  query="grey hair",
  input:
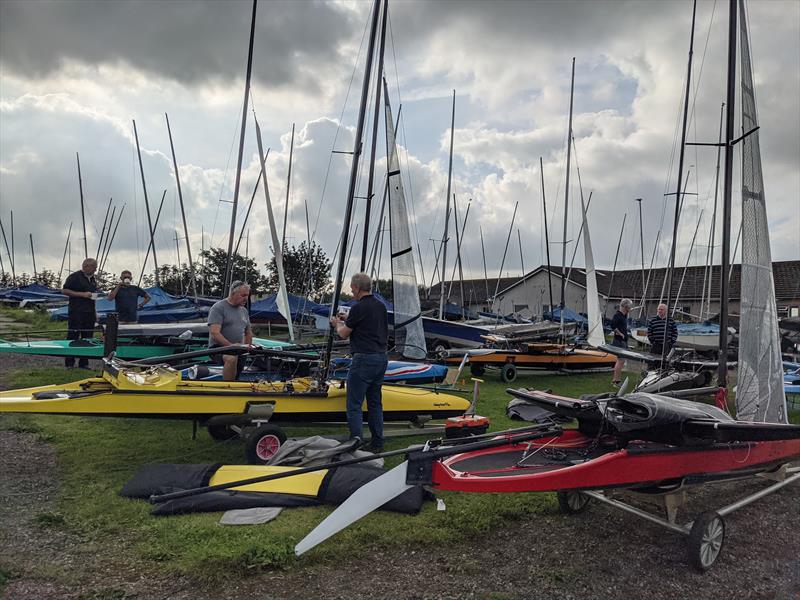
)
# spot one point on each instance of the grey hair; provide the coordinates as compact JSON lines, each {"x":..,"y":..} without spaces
{"x":89,"y":261}
{"x":235,"y":285}
{"x":362,"y":282}
{"x":626,"y":303}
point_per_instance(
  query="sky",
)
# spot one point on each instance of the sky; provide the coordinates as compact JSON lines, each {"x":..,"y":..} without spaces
{"x":74,"y":75}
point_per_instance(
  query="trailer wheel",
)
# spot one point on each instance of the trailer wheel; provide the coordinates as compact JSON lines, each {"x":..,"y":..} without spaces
{"x":706,"y":539}
{"x":263,"y":444}
{"x":221,"y":433}
{"x":572,"y":503}
{"x":477,"y":370}
{"x":508,"y":372}
{"x":440,"y":347}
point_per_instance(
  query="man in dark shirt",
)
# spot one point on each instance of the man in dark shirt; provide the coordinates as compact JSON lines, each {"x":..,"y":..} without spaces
{"x":661,"y":331}
{"x":367,"y":328}
{"x":126,"y":298}
{"x":81,"y":288}
{"x":619,"y":327}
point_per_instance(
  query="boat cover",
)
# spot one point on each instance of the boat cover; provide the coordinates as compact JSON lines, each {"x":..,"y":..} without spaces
{"x":266,"y":309}
{"x":333,"y":487}
{"x":162,"y":308}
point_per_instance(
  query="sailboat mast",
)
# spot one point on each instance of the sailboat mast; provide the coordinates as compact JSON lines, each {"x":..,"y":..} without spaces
{"x":727,"y":194}
{"x":288,"y":188}
{"x":616,"y":256}
{"x":447,"y":209}
{"x":686,"y":266}
{"x":33,"y":258}
{"x":503,"y":262}
{"x":710,"y":256}
{"x":546,"y":237}
{"x":64,"y":257}
{"x":521,"y":260}
{"x":229,"y":263}
{"x":678,"y":196}
{"x":102,"y":251}
{"x":111,"y":239}
{"x":641,"y":246}
{"x":8,"y":251}
{"x":183,"y":212}
{"x":485,"y":274}
{"x":147,"y":208}
{"x":374,"y":143}
{"x":348,"y":213}
{"x":103,"y":230}
{"x":151,"y":245}
{"x":566,"y":188}
{"x":83,"y":212}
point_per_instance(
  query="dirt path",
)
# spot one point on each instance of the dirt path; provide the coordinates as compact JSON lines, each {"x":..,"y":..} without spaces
{"x":602,"y":553}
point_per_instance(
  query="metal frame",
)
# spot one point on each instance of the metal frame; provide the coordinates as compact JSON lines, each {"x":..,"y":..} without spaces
{"x":704,"y":547}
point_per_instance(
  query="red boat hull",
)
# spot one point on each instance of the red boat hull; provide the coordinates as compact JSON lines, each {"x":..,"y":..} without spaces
{"x":499,"y":470}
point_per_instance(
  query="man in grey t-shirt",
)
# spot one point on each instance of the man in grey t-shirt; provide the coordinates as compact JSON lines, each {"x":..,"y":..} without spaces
{"x":228,"y":324}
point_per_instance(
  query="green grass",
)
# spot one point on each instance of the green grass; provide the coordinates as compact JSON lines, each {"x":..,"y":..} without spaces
{"x":35,"y":321}
{"x":97,"y":456}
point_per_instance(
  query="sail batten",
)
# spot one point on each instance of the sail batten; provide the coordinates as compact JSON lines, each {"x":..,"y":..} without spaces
{"x":409,"y":336}
{"x":760,"y":394}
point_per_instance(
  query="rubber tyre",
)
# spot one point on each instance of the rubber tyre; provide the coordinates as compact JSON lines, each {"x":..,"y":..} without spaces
{"x":572,"y":503}
{"x":705,"y":540}
{"x":221,"y":433}
{"x":508,"y":372}
{"x":477,"y":370}
{"x":439,"y":347}
{"x":263,"y":443}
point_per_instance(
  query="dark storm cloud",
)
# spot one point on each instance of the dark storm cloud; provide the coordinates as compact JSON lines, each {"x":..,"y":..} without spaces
{"x":190,"y":42}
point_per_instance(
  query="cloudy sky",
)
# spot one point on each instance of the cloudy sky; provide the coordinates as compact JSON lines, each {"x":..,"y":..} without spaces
{"x":73,"y":76}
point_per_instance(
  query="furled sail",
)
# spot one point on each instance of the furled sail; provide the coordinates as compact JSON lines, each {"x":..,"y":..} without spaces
{"x":595,"y":335}
{"x":282,"y":297}
{"x":409,"y":337}
{"x":759,"y":395}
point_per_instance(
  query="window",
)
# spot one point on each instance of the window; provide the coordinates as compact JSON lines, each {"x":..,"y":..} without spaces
{"x":519,"y":307}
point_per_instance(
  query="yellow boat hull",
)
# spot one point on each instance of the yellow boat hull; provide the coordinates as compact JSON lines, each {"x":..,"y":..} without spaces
{"x":160,"y":393}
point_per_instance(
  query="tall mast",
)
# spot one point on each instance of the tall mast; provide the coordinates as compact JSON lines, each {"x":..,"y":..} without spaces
{"x":521,"y":260}
{"x":503,"y":262}
{"x":348,"y":212}
{"x":229,"y":263}
{"x":443,"y":271}
{"x":710,"y":258}
{"x":641,"y":246}
{"x":616,"y":256}
{"x":147,"y":207}
{"x":183,"y":212}
{"x":566,"y":188}
{"x":376,"y":115}
{"x":727,"y":191}
{"x":546,"y":238}
{"x":288,"y":187}
{"x":102,"y":250}
{"x":83,"y":212}
{"x":14,"y":254}
{"x":64,"y":257}
{"x":8,"y":251}
{"x":485,"y":274}
{"x":33,"y":258}
{"x":103,"y":230}
{"x":678,"y":196}
{"x":151,"y":245}
{"x":111,"y":239}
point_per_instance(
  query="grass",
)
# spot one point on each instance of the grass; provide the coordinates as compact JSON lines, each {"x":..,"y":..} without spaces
{"x":37,"y":322}
{"x":97,"y":456}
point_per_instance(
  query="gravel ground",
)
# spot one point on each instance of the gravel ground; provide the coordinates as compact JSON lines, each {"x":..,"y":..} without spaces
{"x":602,"y":553}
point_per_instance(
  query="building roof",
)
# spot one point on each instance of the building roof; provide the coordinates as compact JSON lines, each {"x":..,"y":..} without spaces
{"x":628,"y":283}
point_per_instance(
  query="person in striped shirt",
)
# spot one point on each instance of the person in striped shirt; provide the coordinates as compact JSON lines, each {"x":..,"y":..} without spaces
{"x":661,"y":331}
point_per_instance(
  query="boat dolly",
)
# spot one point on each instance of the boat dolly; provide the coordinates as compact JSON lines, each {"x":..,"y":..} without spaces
{"x":706,"y":533}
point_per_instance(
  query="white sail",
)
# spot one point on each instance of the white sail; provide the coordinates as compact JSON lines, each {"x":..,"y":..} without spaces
{"x":595,"y":335}
{"x":760,"y":395}
{"x":409,"y":336}
{"x":282,"y":297}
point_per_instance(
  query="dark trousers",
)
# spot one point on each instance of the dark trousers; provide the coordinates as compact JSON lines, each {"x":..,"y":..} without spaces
{"x":657,"y":348}
{"x":79,"y":326}
{"x":364,"y":380}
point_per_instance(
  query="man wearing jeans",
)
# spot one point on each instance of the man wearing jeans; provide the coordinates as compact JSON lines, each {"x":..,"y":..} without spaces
{"x":367,"y":328}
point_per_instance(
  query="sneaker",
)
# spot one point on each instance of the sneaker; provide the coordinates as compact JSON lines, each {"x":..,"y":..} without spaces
{"x":616,"y":384}
{"x":374,"y":449}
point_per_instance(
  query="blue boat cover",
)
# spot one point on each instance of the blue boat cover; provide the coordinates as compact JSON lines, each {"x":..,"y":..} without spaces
{"x":570,"y":316}
{"x":162,"y":308}
{"x":267,"y":308}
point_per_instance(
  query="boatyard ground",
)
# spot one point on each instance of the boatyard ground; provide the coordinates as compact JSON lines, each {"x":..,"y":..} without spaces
{"x":65,"y":533}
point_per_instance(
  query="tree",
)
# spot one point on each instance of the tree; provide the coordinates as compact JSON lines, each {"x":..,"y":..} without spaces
{"x":306,"y":268}
{"x":210,"y":271}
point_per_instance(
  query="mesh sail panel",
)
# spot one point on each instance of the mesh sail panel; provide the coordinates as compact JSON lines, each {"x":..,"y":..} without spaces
{"x":759,"y":394}
{"x":409,"y":337}
{"x":595,"y":335}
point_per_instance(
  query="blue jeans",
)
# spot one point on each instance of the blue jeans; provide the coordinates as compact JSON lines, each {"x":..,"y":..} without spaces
{"x":364,"y":379}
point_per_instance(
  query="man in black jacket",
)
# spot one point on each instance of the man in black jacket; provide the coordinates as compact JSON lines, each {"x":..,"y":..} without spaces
{"x":81,"y":288}
{"x":661,"y":331}
{"x":367,"y":328}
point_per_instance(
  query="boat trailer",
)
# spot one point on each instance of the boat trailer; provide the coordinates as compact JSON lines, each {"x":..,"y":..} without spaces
{"x":706,"y":533}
